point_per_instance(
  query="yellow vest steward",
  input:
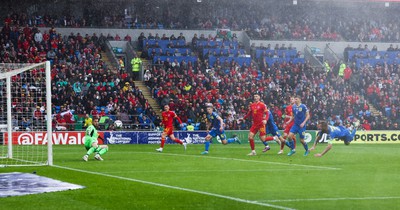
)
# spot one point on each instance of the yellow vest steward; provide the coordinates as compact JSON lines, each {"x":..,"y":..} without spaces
{"x":327,"y":67}
{"x":341,"y":69}
{"x":136,"y":64}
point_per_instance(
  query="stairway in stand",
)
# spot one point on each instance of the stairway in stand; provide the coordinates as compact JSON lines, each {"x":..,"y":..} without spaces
{"x":375,"y":111}
{"x":147,"y":95}
{"x":110,"y":64}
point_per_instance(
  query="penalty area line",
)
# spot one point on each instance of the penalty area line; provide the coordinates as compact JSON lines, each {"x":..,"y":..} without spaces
{"x":244,"y":160}
{"x":330,"y":199}
{"x":216,"y":171}
{"x":176,"y":188}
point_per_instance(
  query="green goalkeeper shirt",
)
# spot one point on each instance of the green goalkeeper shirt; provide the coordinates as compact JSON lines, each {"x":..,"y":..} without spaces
{"x":91,"y":134}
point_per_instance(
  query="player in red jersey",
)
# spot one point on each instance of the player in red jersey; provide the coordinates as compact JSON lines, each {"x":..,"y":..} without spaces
{"x":288,"y":123}
{"x":168,"y":121}
{"x":259,"y":113}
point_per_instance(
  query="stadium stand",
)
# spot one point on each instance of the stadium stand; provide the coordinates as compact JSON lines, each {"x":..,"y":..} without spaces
{"x":216,"y":70}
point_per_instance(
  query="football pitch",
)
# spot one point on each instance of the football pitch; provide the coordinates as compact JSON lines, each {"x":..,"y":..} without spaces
{"x":359,"y":176}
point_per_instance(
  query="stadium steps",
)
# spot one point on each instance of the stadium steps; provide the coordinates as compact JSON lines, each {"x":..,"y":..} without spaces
{"x":147,"y":95}
{"x":375,"y":111}
{"x":145,"y":64}
{"x":108,"y":61}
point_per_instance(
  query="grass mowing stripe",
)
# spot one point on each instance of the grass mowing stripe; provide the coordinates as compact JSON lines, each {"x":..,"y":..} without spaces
{"x":243,"y":160}
{"x":330,"y":199}
{"x":222,"y":171}
{"x":177,"y":188}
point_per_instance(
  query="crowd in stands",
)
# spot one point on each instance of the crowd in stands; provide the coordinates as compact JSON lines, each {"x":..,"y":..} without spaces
{"x":262,"y":20}
{"x":379,"y":81}
{"x":338,"y":98}
{"x":380,"y":85}
{"x":81,"y":82}
{"x":84,"y":84}
{"x":204,"y":70}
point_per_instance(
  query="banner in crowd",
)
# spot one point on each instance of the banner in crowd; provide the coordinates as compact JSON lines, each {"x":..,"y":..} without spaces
{"x":368,"y":137}
{"x":40,"y":138}
{"x":191,"y":137}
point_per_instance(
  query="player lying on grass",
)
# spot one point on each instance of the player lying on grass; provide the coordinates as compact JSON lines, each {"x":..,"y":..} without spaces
{"x":332,"y":132}
{"x":91,"y":143}
{"x":216,"y":125}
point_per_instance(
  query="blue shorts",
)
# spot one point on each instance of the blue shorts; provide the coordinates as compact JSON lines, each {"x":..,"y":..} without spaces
{"x":216,"y":132}
{"x":347,"y":138}
{"x":296,"y":129}
{"x":273,"y":130}
{"x":345,"y":134}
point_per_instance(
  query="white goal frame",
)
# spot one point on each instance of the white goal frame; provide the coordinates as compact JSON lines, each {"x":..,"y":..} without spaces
{"x":8,"y":75}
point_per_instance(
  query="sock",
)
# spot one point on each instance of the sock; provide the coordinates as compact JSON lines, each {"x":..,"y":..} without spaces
{"x":294,"y":142}
{"x":97,"y":150}
{"x":252,"y":144}
{"x":178,"y":141}
{"x":305,"y":146}
{"x":162,"y":142}
{"x":103,"y":151}
{"x":265,"y":143}
{"x":283,"y":145}
{"x":231,"y":140}
{"x":206,"y":145}
{"x":289,"y":144}
{"x":90,"y":151}
{"x":269,"y":138}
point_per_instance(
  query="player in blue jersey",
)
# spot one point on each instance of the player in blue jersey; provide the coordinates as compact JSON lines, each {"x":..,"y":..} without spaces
{"x":301,"y":116}
{"x":328,"y":132}
{"x":216,"y":125}
{"x":272,"y":128}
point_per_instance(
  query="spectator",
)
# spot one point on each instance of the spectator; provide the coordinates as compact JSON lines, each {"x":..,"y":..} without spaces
{"x":127,"y":38}
{"x":147,"y":78}
{"x":88,"y":121}
{"x":144,"y":122}
{"x":136,"y":62}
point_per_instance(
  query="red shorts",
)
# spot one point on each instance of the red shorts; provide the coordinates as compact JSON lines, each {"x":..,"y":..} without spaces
{"x":259,"y":127}
{"x":288,"y":127}
{"x":169,"y":131}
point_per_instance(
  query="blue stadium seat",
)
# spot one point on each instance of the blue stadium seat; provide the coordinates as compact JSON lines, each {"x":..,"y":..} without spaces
{"x":137,"y":25}
{"x":58,"y":108}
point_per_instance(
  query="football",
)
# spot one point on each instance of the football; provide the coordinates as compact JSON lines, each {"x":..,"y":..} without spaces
{"x":118,"y":124}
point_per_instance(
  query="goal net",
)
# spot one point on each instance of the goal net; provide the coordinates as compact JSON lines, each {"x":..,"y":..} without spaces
{"x":25,"y":114}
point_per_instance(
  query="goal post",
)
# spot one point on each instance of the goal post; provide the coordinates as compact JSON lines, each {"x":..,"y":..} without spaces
{"x":25,"y":92}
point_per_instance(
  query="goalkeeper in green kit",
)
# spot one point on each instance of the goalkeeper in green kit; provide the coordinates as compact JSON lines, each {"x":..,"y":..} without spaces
{"x":91,"y":144}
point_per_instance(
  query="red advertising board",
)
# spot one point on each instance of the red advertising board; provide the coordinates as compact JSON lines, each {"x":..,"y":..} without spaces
{"x":40,"y":138}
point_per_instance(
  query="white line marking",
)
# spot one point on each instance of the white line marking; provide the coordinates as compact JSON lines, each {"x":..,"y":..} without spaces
{"x":330,"y":199}
{"x":243,"y":160}
{"x":207,"y":171}
{"x":177,"y":188}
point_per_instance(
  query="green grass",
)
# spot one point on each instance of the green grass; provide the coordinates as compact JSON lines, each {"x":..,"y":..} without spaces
{"x":358,"y":176}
